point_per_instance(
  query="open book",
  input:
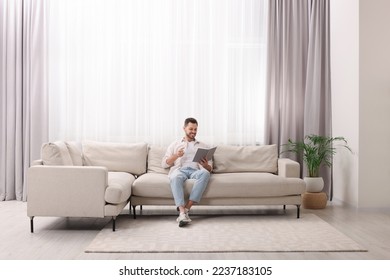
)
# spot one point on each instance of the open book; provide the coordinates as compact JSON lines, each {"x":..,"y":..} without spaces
{"x":204,"y":153}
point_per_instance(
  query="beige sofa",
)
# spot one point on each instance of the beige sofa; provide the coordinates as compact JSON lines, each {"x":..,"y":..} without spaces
{"x":97,"y":179}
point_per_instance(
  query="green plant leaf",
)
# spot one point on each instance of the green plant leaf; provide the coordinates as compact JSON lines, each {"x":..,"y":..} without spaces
{"x":315,"y":150}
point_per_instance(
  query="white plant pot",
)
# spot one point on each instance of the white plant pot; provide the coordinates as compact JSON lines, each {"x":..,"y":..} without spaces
{"x":314,"y":184}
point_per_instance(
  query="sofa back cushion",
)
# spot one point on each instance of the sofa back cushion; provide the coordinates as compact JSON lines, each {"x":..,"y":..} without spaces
{"x":155,"y":156}
{"x":75,"y":152}
{"x":61,"y":153}
{"x":229,"y":159}
{"x":123,"y":157}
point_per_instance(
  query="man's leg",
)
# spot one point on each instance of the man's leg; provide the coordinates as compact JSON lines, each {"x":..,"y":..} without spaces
{"x":202,"y":179}
{"x":177,"y":180}
{"x":177,"y":186}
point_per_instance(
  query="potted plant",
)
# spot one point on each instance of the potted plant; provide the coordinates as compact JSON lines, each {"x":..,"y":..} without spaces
{"x":316,"y":150}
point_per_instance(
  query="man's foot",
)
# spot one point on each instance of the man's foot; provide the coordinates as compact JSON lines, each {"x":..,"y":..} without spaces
{"x":185,"y":209}
{"x":183,"y":219}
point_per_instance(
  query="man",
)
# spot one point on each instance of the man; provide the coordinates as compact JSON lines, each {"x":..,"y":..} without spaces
{"x":178,"y":157}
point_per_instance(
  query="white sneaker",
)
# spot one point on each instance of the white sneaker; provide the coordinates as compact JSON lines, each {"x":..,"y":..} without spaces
{"x":188,"y":216}
{"x":183,"y":219}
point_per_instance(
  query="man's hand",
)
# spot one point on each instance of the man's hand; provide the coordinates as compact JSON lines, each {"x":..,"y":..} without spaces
{"x":180,"y":152}
{"x":205,"y":164}
{"x":171,"y":160}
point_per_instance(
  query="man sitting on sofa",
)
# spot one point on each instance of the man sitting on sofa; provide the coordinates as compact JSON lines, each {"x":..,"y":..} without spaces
{"x":178,"y":157}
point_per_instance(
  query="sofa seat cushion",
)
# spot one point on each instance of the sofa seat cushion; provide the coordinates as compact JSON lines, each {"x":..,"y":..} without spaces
{"x":153,"y":185}
{"x":119,"y":187}
{"x":242,"y":185}
{"x":226,"y":185}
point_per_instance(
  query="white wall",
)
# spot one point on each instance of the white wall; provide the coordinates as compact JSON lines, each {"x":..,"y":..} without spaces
{"x":360,"y":61}
{"x":344,"y":19}
{"x":374,"y":169}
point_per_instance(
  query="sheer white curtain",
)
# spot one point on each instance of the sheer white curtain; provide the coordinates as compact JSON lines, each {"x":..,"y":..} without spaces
{"x":134,"y":70}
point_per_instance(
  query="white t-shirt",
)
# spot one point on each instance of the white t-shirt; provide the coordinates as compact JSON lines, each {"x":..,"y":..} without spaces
{"x":189,"y":153}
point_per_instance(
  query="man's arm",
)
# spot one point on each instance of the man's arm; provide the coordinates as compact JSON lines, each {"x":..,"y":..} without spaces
{"x":171,"y":160}
{"x":170,"y":156}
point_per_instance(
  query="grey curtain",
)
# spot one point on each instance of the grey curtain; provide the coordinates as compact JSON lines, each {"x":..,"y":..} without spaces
{"x":298,"y":81}
{"x":23,"y":112}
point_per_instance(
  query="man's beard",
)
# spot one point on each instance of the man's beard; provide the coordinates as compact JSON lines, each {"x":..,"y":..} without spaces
{"x":191,"y":136}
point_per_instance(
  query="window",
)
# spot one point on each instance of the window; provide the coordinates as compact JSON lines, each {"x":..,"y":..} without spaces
{"x":134,"y":70}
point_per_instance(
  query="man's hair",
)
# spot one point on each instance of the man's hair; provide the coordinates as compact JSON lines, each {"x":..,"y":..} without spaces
{"x":190,"y":120}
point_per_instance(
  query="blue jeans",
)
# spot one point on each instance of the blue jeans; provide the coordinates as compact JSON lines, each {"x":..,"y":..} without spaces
{"x":178,"y":178}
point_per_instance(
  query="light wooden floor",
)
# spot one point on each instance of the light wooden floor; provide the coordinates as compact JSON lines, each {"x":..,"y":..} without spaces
{"x":66,"y":238}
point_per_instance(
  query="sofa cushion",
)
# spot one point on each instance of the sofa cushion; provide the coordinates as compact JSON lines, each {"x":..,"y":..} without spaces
{"x":256,"y":184}
{"x":155,"y":156}
{"x":226,"y":185}
{"x":74,"y":149}
{"x":124,"y":157}
{"x":119,"y":187}
{"x":55,"y":153}
{"x":154,"y":185}
{"x":228,"y":159}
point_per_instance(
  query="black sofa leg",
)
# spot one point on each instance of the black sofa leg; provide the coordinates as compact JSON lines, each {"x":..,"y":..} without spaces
{"x":298,"y":208}
{"x":284,"y":207}
{"x":32,"y":224}
{"x":113,"y":223}
{"x":134,"y":214}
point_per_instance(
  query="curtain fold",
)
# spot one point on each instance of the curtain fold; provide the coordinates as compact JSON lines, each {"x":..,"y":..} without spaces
{"x":286,"y":70}
{"x":23,"y":112}
{"x":318,"y":111}
{"x":298,"y":99}
{"x":317,"y":89}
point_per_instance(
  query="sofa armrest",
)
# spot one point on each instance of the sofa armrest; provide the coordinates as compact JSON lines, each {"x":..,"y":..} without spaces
{"x":66,"y":191}
{"x":288,"y":168}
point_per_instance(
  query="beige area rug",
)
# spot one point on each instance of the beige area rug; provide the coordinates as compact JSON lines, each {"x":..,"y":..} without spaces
{"x":223,"y":233}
